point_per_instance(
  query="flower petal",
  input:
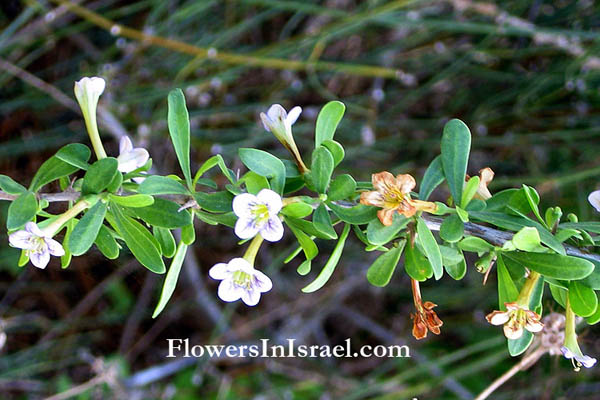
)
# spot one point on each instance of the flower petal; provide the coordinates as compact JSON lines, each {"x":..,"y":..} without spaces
{"x":240,"y":264}
{"x":132,"y":160}
{"x":125,"y":145}
{"x":21,"y":240}
{"x":271,"y":199}
{"x":386,"y":216}
{"x":54,"y":247}
{"x":534,"y":326}
{"x":405,"y":182}
{"x":373,"y":198}
{"x":594,"y":199}
{"x":40,"y":259}
{"x":498,"y":317}
{"x":567,"y":353}
{"x":586,"y":361}
{"x":228,"y":291}
{"x":293,"y":116}
{"x":243,"y":203}
{"x":245,"y":228}
{"x":262,"y":282}
{"x":513,"y":330}
{"x":219,"y":271}
{"x":276,"y":113}
{"x":34,"y":229}
{"x":383,"y":181}
{"x":251,"y":297}
{"x":272,"y":231}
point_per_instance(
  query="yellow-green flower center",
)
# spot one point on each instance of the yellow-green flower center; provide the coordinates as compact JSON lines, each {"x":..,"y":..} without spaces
{"x":260,"y":213}
{"x":242,"y":279}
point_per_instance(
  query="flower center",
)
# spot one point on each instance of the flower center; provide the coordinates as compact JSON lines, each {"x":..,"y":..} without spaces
{"x":39,"y":244}
{"x":260,"y":213}
{"x":392,"y":197}
{"x":242,"y":279}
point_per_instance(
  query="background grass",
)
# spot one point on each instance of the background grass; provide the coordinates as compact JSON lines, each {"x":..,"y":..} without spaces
{"x":523,"y":75}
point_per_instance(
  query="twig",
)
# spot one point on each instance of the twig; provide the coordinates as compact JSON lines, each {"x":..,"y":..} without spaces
{"x":522,"y":365}
{"x":74,"y":391}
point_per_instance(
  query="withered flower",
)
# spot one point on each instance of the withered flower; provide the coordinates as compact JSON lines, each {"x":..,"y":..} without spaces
{"x":485,"y":177}
{"x":392,"y":194}
{"x":425,"y":319}
{"x":515,"y":319}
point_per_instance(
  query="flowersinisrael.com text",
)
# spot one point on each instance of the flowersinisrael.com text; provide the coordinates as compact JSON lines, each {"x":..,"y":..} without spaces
{"x":263,"y":349}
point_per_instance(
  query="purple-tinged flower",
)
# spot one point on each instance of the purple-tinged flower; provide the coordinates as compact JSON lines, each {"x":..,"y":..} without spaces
{"x":131,"y":158}
{"x":577,"y":357}
{"x":258,"y":214}
{"x":239,"y":280}
{"x":38,"y":245}
{"x":279,"y":123}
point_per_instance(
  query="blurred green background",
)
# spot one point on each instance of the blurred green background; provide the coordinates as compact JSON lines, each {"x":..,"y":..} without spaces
{"x":523,"y":75}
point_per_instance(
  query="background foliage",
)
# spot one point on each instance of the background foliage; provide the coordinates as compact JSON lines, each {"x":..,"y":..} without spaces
{"x":522,"y":74}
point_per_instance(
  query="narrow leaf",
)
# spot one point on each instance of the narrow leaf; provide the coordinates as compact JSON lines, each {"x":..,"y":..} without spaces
{"x":329,"y":267}
{"x":171,"y":279}
{"x":456,"y":145}
{"x":179,"y":129}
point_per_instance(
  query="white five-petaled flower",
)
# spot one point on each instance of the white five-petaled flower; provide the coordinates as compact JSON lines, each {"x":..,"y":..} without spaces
{"x":594,"y":199}
{"x":258,"y":214}
{"x":131,"y":158}
{"x":87,"y":92}
{"x":239,"y":280}
{"x":38,"y":245}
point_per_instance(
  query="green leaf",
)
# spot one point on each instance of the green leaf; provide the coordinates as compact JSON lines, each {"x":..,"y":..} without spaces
{"x":86,"y":230}
{"x":179,"y":129}
{"x":141,"y":243}
{"x":216,"y":160}
{"x":134,"y":200}
{"x":254,"y":182}
{"x":305,"y":226}
{"x":99,"y":175}
{"x":500,"y":200}
{"x":456,"y":145}
{"x":8,"y":185}
{"x":416,"y":265}
{"x":51,"y":170}
{"x":553,"y":265}
{"x":452,"y":229}
{"x":434,"y":176}
{"x":166,"y":241}
{"x":308,"y":245}
{"x":475,"y":245}
{"x":456,"y":271}
{"x":469,"y":191}
{"x":106,"y":243}
{"x":265,"y":164}
{"x":329,"y":267}
{"x":593,"y":227}
{"x":163,"y":213}
{"x":188,"y":234}
{"x":297,"y":210}
{"x":304,"y":268}
{"x":593,"y":279}
{"x":379,"y":234}
{"x":518,"y":346}
{"x":321,"y":169}
{"x":380,"y":272}
{"x":116,"y":183}
{"x":507,"y":290}
{"x":356,"y":215}
{"x":431,"y":248}
{"x":515,"y":223}
{"x":594,"y":318}
{"x":462,"y":214}
{"x":533,"y":198}
{"x":228,"y":219}
{"x":582,"y":299}
{"x":450,"y":255}
{"x":322,"y":222}
{"x":336,"y":150}
{"x":329,"y":117}
{"x":342,"y":187}
{"x":75,"y":154}
{"x":21,"y":211}
{"x":171,"y":279}
{"x":527,"y":239}
{"x":215,"y":202}
{"x":559,"y":294}
{"x":157,"y":184}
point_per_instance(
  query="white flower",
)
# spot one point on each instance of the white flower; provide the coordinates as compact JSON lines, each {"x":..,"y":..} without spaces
{"x":578,"y":358}
{"x":37,"y":244}
{"x":594,"y":199}
{"x":258,"y":214}
{"x":129,"y":158}
{"x":515,"y":319}
{"x":279,"y":122}
{"x":239,"y":280}
{"x":88,"y":91}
